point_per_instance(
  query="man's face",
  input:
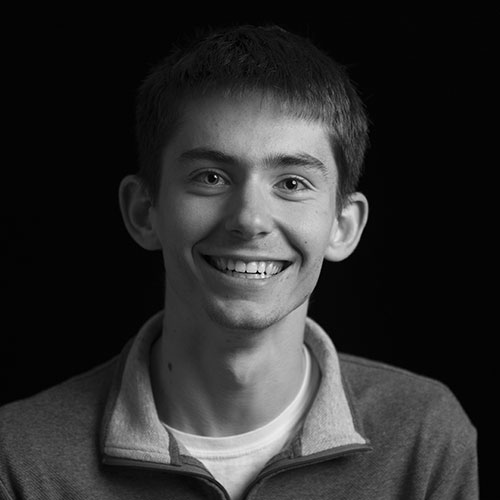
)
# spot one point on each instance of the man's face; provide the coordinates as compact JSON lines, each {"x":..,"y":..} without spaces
{"x":245,"y":211}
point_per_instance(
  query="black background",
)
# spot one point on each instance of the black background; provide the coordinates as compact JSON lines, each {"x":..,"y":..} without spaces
{"x":416,"y":292}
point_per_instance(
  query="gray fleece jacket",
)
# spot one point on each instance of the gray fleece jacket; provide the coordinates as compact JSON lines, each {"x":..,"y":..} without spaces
{"x":373,"y":432}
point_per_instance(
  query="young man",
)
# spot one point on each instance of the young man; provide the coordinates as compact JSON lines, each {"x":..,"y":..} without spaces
{"x":251,"y":144}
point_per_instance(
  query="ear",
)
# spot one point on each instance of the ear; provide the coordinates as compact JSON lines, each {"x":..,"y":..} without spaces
{"x":135,"y":206}
{"x":347,"y":228}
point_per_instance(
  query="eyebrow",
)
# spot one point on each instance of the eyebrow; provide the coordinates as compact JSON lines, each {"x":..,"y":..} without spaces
{"x":280,"y":160}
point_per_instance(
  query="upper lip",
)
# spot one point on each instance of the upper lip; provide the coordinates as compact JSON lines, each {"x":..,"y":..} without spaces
{"x":246,"y":258}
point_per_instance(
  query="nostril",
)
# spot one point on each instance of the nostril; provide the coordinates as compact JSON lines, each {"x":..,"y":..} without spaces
{"x":249,"y":223}
{"x":248,"y":211}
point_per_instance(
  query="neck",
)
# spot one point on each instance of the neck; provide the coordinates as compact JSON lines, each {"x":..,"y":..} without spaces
{"x":217,"y":382}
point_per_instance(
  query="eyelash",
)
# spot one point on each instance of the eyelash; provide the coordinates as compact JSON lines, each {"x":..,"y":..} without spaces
{"x":201,"y":177}
{"x":198,"y":175}
{"x":299,"y":180}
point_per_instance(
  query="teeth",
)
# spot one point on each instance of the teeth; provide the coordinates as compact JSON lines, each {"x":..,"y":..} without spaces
{"x":240,"y":267}
{"x":251,"y":267}
{"x":272,"y":268}
{"x":261,"y":267}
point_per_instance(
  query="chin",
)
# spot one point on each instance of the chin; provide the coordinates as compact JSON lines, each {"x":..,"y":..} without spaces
{"x":241,"y":321}
{"x":239,"y":317}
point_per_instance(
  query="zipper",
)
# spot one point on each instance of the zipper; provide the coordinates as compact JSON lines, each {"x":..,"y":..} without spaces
{"x":273,"y":469}
{"x":298,"y":462}
{"x":183,"y":470}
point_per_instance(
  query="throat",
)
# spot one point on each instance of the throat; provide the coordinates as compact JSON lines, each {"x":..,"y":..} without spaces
{"x":228,"y":395}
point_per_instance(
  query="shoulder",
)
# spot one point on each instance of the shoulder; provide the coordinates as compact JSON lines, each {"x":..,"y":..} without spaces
{"x":369,"y":375}
{"x":47,"y":417}
{"x":407,"y":407}
{"x":50,"y":440}
{"x":385,"y":393}
{"x":418,"y":429}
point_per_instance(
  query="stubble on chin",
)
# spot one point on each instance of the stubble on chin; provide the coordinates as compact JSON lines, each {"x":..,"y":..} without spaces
{"x":247,"y":321}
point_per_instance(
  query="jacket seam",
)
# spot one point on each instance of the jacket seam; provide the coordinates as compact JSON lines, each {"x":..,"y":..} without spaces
{"x":112,"y":393}
{"x":356,"y":420}
{"x":3,"y":489}
{"x":124,"y":448}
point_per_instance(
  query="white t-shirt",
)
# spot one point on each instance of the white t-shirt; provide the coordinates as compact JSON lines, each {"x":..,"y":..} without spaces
{"x":236,"y":460}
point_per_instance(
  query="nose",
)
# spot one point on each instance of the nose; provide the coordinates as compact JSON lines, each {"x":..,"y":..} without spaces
{"x":249,"y":212}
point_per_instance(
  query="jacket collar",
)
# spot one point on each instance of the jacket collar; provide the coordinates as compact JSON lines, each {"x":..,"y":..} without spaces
{"x":132,"y":429}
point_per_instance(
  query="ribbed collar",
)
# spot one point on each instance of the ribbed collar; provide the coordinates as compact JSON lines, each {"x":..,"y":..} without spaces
{"x":132,"y":428}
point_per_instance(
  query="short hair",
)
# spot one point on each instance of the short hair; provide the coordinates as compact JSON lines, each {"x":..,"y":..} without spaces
{"x":244,"y":59}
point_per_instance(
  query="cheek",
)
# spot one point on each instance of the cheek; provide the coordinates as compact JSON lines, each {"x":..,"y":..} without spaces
{"x":312,"y":234}
{"x":186,"y":220}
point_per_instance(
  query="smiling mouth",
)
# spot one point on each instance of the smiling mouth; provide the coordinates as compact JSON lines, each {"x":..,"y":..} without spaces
{"x":252,"y":269}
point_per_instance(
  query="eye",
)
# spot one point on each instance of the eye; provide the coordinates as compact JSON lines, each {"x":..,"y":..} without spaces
{"x":209,"y":178}
{"x":292,"y":184}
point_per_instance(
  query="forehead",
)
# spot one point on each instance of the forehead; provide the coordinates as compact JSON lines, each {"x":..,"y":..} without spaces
{"x":250,"y":127}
